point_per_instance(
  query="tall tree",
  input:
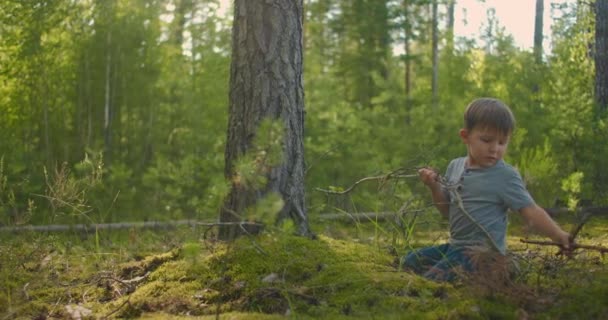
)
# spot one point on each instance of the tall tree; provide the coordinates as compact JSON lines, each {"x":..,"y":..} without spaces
{"x":601,"y":54}
{"x":538,"y":31}
{"x":266,"y":83}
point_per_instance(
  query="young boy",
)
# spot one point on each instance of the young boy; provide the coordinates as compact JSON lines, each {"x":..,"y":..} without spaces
{"x":475,"y":194}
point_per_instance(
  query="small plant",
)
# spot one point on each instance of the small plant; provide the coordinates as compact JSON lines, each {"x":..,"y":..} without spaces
{"x":7,"y":196}
{"x":252,"y":169}
{"x":9,"y":205}
{"x":67,"y":193}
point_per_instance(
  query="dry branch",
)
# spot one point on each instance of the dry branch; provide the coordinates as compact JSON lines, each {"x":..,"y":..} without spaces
{"x":588,"y":210}
{"x":587,"y":213}
{"x":120,"y":225}
{"x":395,"y":174}
{"x":573,"y":245}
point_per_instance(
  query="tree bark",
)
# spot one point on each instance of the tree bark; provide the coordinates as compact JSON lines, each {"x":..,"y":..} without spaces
{"x":538,"y":31}
{"x":601,"y":55}
{"x":266,"y":82}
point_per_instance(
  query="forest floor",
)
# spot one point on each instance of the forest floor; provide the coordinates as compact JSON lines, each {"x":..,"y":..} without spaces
{"x":349,"y":271}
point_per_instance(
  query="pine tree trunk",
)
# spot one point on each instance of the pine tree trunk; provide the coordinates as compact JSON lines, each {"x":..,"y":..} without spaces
{"x":601,"y":55}
{"x":266,"y":82}
{"x":538,"y":31}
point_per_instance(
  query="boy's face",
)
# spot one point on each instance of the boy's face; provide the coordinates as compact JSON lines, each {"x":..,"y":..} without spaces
{"x":485,"y":146}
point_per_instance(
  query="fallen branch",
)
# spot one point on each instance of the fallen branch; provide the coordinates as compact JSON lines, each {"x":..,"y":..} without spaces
{"x":119,"y":225}
{"x":574,"y":245}
{"x":356,"y":216}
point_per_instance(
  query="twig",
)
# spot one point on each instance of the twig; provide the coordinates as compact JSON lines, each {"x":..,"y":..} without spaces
{"x":470,"y":217}
{"x":574,"y":246}
{"x":118,"y":308}
{"x":255,"y":244}
{"x":453,"y":189}
{"x":394,"y":174}
{"x":67,"y":204}
{"x":577,"y":228}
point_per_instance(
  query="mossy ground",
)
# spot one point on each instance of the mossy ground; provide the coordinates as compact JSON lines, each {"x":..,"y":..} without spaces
{"x":177,"y":274}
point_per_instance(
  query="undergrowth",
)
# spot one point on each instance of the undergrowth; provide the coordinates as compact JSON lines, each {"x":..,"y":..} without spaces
{"x":178,"y":274}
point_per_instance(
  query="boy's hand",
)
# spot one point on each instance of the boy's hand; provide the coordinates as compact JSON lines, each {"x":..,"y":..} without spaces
{"x":428,"y":176}
{"x":566,"y":244}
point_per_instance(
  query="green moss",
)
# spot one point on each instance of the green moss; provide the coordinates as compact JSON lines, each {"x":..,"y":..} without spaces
{"x":139,"y":268}
{"x":323,"y":278}
{"x":173,"y":297}
{"x":277,"y":274}
{"x":226,"y":315}
{"x":586,"y":297}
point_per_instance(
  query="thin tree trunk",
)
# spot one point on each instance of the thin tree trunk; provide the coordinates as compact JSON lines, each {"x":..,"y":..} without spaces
{"x":538,"y":31}
{"x":89,"y":104}
{"x":601,"y":55}
{"x":435,"y":44}
{"x":107,"y":97}
{"x":80,"y":106}
{"x":407,"y":30}
{"x":538,"y":47}
{"x":450,"y":23}
{"x":266,"y":82}
{"x":180,"y":21}
{"x":45,"y":112}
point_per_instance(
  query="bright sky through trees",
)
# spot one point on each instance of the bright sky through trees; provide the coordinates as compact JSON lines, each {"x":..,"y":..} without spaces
{"x":516,"y":16}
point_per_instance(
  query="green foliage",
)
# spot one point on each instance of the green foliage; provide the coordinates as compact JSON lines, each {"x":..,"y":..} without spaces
{"x":7,"y":196}
{"x":175,"y":188}
{"x":146,"y":84}
{"x":538,"y":168}
{"x":266,"y":152}
{"x":572,"y":186}
{"x":266,"y":210}
{"x":142,"y":92}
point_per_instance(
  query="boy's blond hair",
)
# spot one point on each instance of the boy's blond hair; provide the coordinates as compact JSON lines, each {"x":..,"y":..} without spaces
{"x":489,"y":113}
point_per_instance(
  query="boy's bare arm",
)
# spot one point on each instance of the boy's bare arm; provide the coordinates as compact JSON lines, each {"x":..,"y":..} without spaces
{"x":538,"y":218}
{"x":430,"y":178}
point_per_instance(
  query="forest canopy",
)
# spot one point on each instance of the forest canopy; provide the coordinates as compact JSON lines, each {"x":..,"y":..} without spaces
{"x":117,"y":110}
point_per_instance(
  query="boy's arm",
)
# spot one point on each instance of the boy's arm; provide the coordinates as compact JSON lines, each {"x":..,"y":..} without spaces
{"x":429,"y":177}
{"x":538,"y":218}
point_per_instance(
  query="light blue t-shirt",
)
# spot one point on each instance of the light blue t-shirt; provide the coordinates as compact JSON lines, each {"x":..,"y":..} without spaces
{"x":487,"y":194}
